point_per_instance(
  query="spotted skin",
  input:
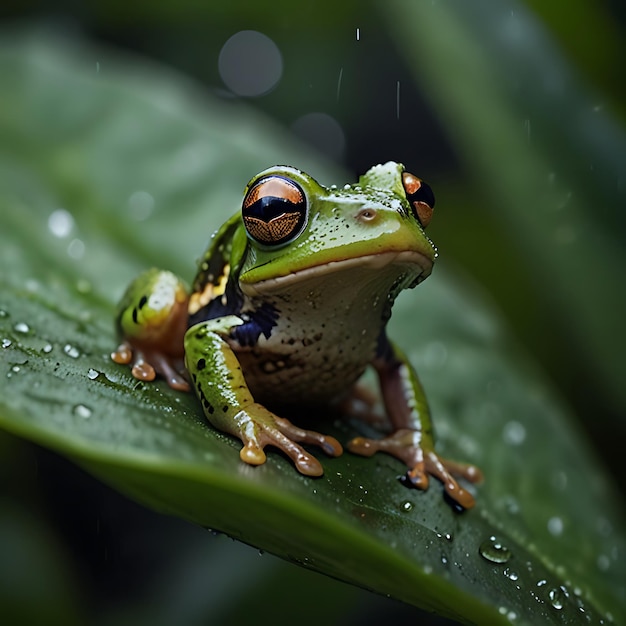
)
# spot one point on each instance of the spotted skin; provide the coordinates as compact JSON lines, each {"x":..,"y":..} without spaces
{"x":290,"y":306}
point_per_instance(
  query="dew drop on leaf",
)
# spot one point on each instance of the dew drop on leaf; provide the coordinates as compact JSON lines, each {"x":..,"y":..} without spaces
{"x":71,"y":350}
{"x":21,"y":327}
{"x":556,"y":598}
{"x":492,"y":550}
{"x":82,"y":411}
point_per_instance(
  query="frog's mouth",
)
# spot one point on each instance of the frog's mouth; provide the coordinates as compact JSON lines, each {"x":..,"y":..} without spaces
{"x":414,"y":264}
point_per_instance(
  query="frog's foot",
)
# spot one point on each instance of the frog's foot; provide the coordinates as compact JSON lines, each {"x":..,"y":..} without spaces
{"x":146,"y":364}
{"x":257,"y":427}
{"x":404,"y":444}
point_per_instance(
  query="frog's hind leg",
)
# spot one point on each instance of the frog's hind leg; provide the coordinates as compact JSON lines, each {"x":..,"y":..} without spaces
{"x":412,"y":440}
{"x":152,"y":320}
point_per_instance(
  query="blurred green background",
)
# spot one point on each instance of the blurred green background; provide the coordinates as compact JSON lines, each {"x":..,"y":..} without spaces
{"x":513,"y":111}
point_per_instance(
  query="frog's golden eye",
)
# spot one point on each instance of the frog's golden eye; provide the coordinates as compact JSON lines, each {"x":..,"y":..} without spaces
{"x":274,"y":210}
{"x":420,"y":197}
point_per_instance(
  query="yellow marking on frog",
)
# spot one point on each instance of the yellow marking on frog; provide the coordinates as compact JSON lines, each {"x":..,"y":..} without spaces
{"x":211,"y":291}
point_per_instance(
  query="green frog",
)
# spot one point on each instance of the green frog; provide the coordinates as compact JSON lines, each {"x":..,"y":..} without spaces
{"x":288,"y":308}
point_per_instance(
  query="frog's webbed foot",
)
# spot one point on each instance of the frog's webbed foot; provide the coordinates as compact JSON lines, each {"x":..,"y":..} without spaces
{"x":146,"y":364}
{"x":257,"y":427}
{"x":405,"y":445}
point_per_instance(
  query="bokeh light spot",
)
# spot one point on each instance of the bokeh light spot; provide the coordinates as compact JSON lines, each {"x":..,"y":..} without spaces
{"x":250,"y":63}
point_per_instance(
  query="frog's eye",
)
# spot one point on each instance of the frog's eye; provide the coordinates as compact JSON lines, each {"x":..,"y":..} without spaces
{"x":274,"y":210}
{"x":420,"y":196}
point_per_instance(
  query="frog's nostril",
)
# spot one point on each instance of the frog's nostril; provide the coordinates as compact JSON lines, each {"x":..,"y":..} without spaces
{"x":366,"y":215}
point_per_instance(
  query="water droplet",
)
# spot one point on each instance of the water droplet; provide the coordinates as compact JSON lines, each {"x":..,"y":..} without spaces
{"x":141,"y":205}
{"x":71,"y":350}
{"x":556,"y":598}
{"x":494,"y":551}
{"x":514,"y":433}
{"x":6,"y":343}
{"x":82,"y":411}
{"x":3,"y":313}
{"x":555,"y":526}
{"x":47,"y":348}
{"x":92,"y":374}
{"x":406,"y":506}
{"x":21,"y":327}
{"x":60,"y":223}
{"x":76,"y":249}
{"x":15,"y":368}
{"x":510,"y":574}
{"x":511,"y":505}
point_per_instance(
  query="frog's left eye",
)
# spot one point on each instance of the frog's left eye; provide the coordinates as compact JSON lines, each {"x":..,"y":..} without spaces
{"x":274,"y":210}
{"x":420,"y":196}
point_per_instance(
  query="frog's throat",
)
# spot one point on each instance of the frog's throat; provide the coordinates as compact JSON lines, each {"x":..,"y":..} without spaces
{"x":420,"y":265}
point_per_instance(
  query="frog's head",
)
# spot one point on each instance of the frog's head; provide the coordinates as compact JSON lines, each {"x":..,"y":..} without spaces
{"x":298,"y":229}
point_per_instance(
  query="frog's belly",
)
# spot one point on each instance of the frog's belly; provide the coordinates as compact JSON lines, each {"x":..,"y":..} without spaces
{"x":305,"y":370}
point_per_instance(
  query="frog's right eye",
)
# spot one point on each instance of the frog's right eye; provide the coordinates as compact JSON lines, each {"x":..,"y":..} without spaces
{"x":420,"y":197}
{"x":274,"y":210}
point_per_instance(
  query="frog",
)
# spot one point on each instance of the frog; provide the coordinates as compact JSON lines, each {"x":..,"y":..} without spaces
{"x":288,"y":309}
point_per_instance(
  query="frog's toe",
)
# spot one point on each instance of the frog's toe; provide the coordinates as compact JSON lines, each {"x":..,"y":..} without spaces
{"x":259,"y":428}
{"x":252,"y":453}
{"x":418,"y":477}
{"x":327,"y":443}
{"x":169,"y":368}
{"x":404,"y":444}
{"x":143,"y":371}
{"x":146,"y":364}
{"x":123,"y":355}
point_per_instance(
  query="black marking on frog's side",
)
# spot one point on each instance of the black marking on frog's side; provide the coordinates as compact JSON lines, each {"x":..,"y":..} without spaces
{"x":205,"y":401}
{"x":229,"y":303}
{"x":384,"y":351}
{"x":201,"y":364}
{"x":135,"y":315}
{"x":143,"y":301}
{"x":258,"y":322}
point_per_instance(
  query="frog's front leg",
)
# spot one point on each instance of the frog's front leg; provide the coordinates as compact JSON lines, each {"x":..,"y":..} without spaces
{"x":219,"y":382}
{"x":412,"y":440}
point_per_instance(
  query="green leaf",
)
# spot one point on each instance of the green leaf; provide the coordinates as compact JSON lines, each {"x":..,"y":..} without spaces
{"x":544,"y":155}
{"x":108,"y":166}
